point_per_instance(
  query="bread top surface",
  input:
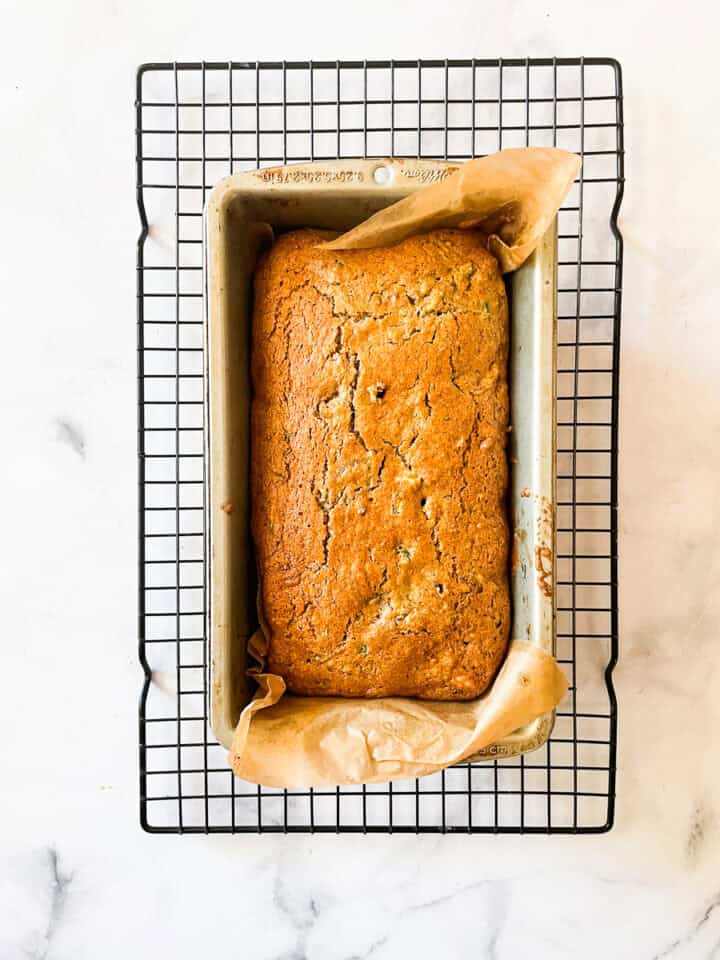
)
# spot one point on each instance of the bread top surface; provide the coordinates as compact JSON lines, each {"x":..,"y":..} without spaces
{"x":379,"y":423}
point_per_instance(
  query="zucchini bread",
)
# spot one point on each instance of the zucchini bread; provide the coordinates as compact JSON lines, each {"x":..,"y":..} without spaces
{"x":379,"y":471}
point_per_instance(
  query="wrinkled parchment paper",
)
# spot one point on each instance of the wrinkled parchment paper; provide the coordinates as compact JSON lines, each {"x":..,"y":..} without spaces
{"x":283,"y":740}
{"x":323,"y":741}
{"x":510,"y":196}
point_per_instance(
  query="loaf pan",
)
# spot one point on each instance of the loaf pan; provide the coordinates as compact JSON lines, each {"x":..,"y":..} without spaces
{"x":239,"y":213}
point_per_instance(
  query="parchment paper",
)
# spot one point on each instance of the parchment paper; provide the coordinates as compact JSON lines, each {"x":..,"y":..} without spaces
{"x":511,"y":196}
{"x":283,"y":740}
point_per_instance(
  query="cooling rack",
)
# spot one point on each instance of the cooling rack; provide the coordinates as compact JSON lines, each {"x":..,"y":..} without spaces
{"x":197,"y":122}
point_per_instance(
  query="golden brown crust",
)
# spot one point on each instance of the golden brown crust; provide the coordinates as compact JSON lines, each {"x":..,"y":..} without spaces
{"x":379,"y":472}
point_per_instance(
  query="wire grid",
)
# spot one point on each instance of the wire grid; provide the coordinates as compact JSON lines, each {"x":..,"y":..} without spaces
{"x":198,"y":122}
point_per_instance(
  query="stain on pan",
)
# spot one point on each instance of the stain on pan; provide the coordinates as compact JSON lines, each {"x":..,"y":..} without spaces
{"x":544,"y":567}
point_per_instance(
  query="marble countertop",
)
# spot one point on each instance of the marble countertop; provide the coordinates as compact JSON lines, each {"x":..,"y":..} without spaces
{"x":78,"y":878}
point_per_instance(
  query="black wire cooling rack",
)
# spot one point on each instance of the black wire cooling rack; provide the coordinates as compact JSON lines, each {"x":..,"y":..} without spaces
{"x":197,"y":122}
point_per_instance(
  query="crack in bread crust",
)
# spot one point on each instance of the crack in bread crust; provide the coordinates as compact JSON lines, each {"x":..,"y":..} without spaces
{"x":379,"y":423}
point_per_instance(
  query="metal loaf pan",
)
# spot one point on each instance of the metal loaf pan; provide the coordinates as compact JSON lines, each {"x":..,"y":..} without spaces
{"x":338,"y":195}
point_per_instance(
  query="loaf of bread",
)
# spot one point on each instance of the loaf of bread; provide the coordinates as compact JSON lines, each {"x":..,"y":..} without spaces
{"x":379,"y":471}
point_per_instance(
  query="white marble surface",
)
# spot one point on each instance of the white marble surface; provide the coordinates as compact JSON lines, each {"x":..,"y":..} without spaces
{"x":78,"y":879}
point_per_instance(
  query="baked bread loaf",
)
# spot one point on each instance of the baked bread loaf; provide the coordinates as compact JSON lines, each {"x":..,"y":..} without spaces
{"x":379,"y":423}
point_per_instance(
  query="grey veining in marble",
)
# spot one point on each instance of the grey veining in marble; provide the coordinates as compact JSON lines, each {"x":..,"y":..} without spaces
{"x":71,"y":435}
{"x":59,"y":889}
